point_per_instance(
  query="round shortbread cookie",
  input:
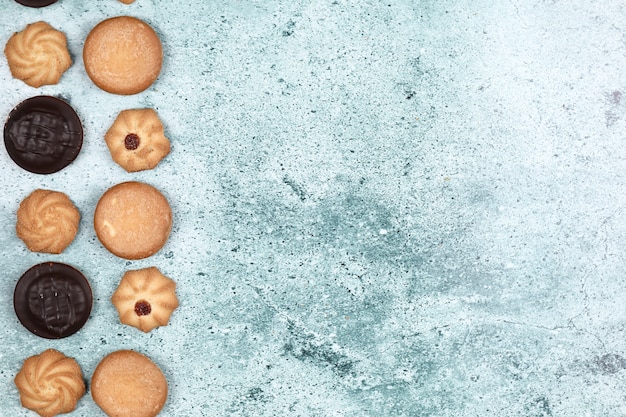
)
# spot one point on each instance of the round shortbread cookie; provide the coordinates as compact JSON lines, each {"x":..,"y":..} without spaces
{"x":133,"y":220}
{"x":128,"y":384}
{"x":123,"y":55}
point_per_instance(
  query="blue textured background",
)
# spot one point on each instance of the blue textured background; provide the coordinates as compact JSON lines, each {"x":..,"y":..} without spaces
{"x":381,"y":208}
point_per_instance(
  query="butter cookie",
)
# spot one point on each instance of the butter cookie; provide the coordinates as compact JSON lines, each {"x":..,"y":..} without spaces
{"x":47,"y":221}
{"x":145,"y":299}
{"x":38,"y":55}
{"x":50,"y":383}
{"x":136,"y":140}
{"x":133,"y":220}
{"x":123,"y":55}
{"x":128,"y":384}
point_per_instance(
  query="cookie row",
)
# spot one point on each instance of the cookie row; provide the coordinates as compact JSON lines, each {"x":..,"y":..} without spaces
{"x":132,"y":220}
{"x":125,"y":383}
{"x":54,"y":300}
{"x":122,"y":55}
{"x":43,"y":135}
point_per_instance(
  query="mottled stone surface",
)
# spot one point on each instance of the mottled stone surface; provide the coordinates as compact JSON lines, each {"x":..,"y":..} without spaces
{"x":381,"y":208}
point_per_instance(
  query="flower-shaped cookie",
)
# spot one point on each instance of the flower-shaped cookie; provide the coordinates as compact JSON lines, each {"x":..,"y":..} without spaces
{"x":145,"y":299}
{"x":136,"y":140}
{"x":50,"y":383}
{"x":38,"y":55}
{"x":47,"y":221}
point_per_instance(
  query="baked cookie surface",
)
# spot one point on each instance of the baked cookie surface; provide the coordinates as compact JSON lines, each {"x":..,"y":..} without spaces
{"x":50,"y":383}
{"x":128,"y":384}
{"x":145,"y":299}
{"x":123,"y":55}
{"x":133,"y":220}
{"x":136,"y":140}
{"x":47,"y":221}
{"x":38,"y":55}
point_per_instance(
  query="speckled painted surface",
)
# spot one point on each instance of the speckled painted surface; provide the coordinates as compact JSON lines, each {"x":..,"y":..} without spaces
{"x":381,"y":208}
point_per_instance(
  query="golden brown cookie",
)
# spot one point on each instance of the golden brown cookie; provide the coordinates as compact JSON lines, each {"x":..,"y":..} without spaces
{"x":127,"y":1}
{"x":128,"y":384}
{"x":133,"y":220}
{"x":47,"y":221}
{"x":145,"y":299}
{"x":136,"y":140}
{"x":38,"y":55}
{"x":50,"y":383}
{"x":123,"y":55}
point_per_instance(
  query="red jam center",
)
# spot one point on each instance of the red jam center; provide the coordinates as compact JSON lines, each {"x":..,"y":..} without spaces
{"x":131,"y":141}
{"x":142,"y":308}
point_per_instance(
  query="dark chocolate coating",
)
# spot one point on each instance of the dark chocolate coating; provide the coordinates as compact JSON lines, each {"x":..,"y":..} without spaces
{"x":36,"y":3}
{"x":43,"y":134}
{"x":53,"y":300}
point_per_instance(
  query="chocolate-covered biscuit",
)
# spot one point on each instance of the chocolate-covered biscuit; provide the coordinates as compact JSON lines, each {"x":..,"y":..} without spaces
{"x":43,"y":134}
{"x":36,"y":3}
{"x":53,"y":300}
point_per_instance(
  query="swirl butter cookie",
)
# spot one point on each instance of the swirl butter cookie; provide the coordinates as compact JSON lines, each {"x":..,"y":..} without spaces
{"x":38,"y":55}
{"x":123,"y":55}
{"x":145,"y":299}
{"x":50,"y":383}
{"x":128,"y":384}
{"x":133,"y":220}
{"x":47,"y":221}
{"x":136,"y":140}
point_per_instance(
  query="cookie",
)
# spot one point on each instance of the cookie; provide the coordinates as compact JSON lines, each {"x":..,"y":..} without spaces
{"x":128,"y":384}
{"x":145,"y":299}
{"x":127,"y":1}
{"x":123,"y":55}
{"x":136,"y":140}
{"x":38,"y":55}
{"x":47,"y":221}
{"x":50,"y":383}
{"x":36,"y":3}
{"x":43,"y":134}
{"x":133,"y":220}
{"x":53,"y":300}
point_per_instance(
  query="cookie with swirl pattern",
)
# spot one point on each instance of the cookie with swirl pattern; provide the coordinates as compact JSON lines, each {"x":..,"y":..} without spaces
{"x":50,"y":383}
{"x":38,"y":55}
{"x":47,"y":221}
